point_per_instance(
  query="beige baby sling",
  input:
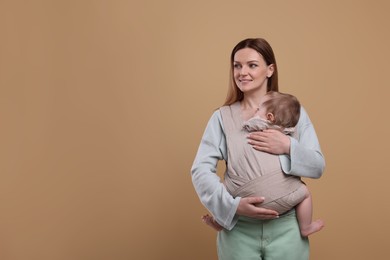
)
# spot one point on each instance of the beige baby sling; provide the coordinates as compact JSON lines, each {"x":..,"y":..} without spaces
{"x":253,"y":173}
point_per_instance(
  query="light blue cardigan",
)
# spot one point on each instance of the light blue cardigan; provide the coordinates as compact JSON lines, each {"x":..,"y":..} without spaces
{"x":305,"y":160}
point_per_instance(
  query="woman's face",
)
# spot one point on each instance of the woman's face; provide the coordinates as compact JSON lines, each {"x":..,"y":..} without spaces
{"x":251,"y":71}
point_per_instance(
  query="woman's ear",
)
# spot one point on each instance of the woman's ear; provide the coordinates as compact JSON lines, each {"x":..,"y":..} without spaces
{"x":270,"y":71}
{"x":271,"y":117}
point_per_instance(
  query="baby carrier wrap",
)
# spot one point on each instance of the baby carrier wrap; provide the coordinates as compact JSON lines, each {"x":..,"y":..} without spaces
{"x":254,"y":173}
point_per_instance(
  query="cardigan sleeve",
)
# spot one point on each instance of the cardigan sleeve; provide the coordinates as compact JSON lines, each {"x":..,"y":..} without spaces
{"x":212,"y":193}
{"x":306,"y":158}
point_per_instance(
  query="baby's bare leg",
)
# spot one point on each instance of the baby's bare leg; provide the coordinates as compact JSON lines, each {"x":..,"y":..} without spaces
{"x":304,"y":216}
{"x":209,"y":220}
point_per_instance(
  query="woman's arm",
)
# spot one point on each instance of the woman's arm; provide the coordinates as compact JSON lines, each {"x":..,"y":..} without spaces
{"x":301,"y":156}
{"x":212,"y":193}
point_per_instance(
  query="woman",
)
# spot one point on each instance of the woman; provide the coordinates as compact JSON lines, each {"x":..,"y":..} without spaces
{"x":253,"y":232}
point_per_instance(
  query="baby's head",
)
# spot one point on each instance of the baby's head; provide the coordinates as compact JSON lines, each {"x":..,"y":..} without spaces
{"x":280,"y":109}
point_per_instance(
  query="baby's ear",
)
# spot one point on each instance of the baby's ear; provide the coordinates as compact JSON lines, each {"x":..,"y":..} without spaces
{"x":270,"y":117}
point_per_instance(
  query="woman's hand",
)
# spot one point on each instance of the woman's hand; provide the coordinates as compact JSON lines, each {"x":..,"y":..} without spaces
{"x":270,"y":141}
{"x":247,"y":208}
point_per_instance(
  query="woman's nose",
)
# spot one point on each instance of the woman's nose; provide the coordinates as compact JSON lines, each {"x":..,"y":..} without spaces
{"x":244,"y":70}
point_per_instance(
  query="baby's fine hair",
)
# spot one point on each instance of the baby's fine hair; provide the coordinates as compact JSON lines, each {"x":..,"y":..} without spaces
{"x":285,"y":108}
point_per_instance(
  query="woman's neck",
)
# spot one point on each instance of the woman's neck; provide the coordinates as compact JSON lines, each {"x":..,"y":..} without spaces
{"x":251,"y":102}
{"x":249,"y":107}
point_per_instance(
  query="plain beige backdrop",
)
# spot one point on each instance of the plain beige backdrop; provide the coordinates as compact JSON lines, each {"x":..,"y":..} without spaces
{"x":103,"y":104}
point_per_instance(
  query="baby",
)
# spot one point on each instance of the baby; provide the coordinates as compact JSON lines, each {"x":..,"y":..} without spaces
{"x":281,"y":111}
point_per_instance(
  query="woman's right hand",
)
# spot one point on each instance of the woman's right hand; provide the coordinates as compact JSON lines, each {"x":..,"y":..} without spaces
{"x":247,"y":207}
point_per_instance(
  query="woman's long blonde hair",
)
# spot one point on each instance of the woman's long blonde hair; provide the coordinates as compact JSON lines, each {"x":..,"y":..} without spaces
{"x":264,"y":49}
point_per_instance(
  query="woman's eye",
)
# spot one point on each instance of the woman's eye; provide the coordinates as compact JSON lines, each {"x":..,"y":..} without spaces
{"x":236,"y":66}
{"x":252,"y":65}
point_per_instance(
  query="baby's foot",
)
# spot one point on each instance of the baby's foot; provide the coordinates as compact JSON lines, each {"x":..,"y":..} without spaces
{"x":209,"y":220}
{"x":312,"y":228}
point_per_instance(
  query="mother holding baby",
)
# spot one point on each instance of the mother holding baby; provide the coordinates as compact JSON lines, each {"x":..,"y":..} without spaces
{"x":251,"y":231}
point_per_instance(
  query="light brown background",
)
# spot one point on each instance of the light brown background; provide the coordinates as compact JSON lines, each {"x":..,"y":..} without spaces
{"x":103,"y":104}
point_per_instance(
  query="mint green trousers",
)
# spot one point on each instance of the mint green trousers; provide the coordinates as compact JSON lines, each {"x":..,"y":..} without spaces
{"x":253,"y":239}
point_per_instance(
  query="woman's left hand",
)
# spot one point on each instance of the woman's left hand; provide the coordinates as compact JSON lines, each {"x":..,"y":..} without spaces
{"x":270,"y":141}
